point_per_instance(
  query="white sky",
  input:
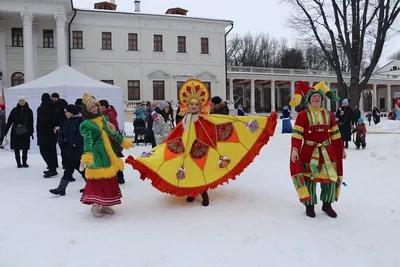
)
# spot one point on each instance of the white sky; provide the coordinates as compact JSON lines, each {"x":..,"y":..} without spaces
{"x":256,"y":16}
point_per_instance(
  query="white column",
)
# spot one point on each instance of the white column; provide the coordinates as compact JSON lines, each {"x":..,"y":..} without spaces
{"x":61,"y":46}
{"x":361,"y":105}
{"x":253,"y":97}
{"x":292,"y":88}
{"x":262,"y":96}
{"x":244,"y":95}
{"x":27,"y":19}
{"x":231,"y":98}
{"x":374,"y":95}
{"x":389,"y":99}
{"x":272,"y":96}
{"x":35,"y":50}
{"x":278,"y":97}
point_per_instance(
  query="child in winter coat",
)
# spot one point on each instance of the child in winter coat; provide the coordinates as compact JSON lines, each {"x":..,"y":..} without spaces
{"x":369,"y":117}
{"x":360,"y":131}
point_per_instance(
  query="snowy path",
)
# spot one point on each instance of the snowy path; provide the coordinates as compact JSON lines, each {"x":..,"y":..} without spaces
{"x":254,"y":221}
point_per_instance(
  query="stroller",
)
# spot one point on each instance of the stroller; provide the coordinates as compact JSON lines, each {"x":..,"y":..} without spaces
{"x":140,"y":131}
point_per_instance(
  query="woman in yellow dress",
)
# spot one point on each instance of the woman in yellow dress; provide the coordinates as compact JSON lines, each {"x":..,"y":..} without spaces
{"x":203,"y":150}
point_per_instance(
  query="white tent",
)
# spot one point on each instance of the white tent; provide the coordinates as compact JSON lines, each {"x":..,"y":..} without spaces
{"x":70,"y":84}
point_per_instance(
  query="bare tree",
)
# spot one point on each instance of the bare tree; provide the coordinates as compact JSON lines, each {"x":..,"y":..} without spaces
{"x":349,"y":25}
{"x":395,"y":56}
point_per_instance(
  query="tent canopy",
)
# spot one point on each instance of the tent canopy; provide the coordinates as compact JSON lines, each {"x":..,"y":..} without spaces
{"x":70,"y":84}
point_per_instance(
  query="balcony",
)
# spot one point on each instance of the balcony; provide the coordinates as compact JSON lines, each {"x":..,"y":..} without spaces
{"x":41,"y":52}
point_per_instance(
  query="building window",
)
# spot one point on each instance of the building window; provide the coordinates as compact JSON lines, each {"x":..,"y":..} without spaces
{"x":178,"y":87}
{"x":110,"y":82}
{"x":132,"y":42}
{"x":158,"y":43}
{"x":204,"y":45}
{"x":17,"y":37}
{"x":77,"y":37}
{"x":181,"y":44}
{"x":133,"y":90}
{"x":17,"y":78}
{"x":208,"y":85}
{"x":106,"y":41}
{"x":48,"y":39}
{"x":158,"y":90}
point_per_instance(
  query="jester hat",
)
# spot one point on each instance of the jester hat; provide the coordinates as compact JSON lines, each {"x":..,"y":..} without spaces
{"x":303,"y":89}
{"x":194,"y":90}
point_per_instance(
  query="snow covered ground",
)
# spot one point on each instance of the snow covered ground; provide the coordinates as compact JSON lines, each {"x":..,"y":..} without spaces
{"x":254,"y":221}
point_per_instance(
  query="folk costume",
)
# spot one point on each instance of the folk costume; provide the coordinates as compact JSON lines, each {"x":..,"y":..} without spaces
{"x":100,"y":160}
{"x":286,"y":123}
{"x":316,"y":138}
{"x":203,"y":150}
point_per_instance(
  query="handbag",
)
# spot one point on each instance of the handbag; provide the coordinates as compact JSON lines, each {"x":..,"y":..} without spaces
{"x":117,"y":147}
{"x":21,"y":129}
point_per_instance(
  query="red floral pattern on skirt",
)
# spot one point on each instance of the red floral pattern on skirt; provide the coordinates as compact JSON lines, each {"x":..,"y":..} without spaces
{"x":104,"y":192}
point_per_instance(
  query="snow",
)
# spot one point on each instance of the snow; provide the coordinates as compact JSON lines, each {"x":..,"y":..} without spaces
{"x":385,"y":126}
{"x":254,"y":221}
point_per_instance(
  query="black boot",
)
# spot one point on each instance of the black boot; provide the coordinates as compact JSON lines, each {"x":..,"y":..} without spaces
{"x":18,"y":158}
{"x":206,"y":201}
{"x":50,"y":174}
{"x":25,"y":158}
{"x":189,"y":199}
{"x":327,"y":208}
{"x":120,"y":177}
{"x":310,"y":211}
{"x":60,"y":190}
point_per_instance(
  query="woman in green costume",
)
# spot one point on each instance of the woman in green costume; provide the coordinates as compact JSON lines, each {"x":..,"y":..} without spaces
{"x":100,"y":160}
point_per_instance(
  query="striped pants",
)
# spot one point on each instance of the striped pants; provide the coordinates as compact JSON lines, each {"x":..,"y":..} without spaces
{"x":328,"y":192}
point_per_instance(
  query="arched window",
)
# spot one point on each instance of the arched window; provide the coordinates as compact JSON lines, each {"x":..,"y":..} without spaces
{"x":17,"y":78}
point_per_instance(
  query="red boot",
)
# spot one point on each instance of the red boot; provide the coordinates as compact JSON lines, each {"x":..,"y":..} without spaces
{"x":327,"y":208}
{"x":310,"y":211}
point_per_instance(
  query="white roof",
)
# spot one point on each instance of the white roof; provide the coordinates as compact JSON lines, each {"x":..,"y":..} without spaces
{"x":64,"y":76}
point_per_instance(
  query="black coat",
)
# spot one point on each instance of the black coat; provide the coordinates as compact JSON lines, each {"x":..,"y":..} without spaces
{"x":20,"y":115}
{"x":356,"y":115}
{"x":59,"y":108}
{"x":46,"y":122}
{"x":71,"y":139}
{"x":345,"y":119}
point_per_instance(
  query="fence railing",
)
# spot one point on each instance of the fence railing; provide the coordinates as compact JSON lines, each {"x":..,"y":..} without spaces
{"x":131,"y":105}
{"x":326,"y":73}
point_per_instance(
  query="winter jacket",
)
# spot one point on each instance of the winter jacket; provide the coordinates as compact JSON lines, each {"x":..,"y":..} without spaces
{"x":47,"y":120}
{"x":22,"y":115}
{"x":140,"y":113}
{"x":161,"y":128}
{"x":360,"y":131}
{"x":2,"y":122}
{"x":112,"y":115}
{"x":240,"y":112}
{"x":285,"y":114}
{"x":345,"y":119}
{"x":71,"y":139}
{"x":221,"y":108}
{"x":356,"y":115}
{"x":59,"y":113}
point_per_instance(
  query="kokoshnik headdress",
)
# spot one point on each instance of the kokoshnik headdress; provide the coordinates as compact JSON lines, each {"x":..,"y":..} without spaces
{"x":303,"y":89}
{"x":191,"y":90}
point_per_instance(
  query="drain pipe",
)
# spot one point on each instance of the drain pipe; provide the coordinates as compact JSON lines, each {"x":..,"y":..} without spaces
{"x":226,"y":58}
{"x":69,"y":33}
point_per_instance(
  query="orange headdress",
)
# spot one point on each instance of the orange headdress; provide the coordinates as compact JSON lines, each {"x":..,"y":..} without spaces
{"x":194,"y":90}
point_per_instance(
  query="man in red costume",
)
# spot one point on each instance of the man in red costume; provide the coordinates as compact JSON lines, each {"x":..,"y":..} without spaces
{"x":317,"y":150}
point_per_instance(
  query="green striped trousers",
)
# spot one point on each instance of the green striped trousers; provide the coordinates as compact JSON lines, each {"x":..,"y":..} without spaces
{"x":328,"y":192}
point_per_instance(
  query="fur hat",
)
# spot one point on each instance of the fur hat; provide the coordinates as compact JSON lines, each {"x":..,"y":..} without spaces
{"x":216,"y":100}
{"x":72,"y":109}
{"x":163,"y":105}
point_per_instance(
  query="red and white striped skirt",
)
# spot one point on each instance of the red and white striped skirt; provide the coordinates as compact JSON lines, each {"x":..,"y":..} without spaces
{"x":105,"y":192}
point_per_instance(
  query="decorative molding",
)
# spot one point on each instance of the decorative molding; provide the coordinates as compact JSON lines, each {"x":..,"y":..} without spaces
{"x":79,"y":67}
{"x":15,"y":66}
{"x":60,"y":20}
{"x":183,"y":73}
{"x":206,"y":74}
{"x":134,"y":71}
{"x":35,"y":27}
{"x":159,"y":74}
{"x":27,"y":18}
{"x":48,"y":66}
{"x":2,"y":25}
{"x":47,"y":52}
{"x":106,"y":70}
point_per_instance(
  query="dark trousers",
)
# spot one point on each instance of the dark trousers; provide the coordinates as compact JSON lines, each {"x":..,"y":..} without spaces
{"x":49,"y":155}
{"x":361,"y":143}
{"x":70,"y":167}
{"x":63,"y":153}
{"x":18,"y":155}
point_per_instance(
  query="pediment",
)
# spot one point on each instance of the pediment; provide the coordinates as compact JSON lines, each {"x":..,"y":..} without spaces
{"x":206,"y":74}
{"x":159,"y":74}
